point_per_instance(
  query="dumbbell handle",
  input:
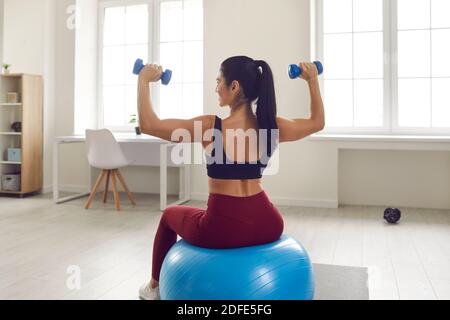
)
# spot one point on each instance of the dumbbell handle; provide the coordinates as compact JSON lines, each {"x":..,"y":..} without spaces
{"x":165,"y":77}
{"x":295,"y":71}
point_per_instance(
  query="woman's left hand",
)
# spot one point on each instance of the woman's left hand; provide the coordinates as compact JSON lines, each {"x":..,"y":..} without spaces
{"x":309,"y":71}
{"x":151,"y":73}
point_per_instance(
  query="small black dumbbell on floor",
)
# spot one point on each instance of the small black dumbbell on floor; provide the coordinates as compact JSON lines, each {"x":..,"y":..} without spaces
{"x":392,"y":215}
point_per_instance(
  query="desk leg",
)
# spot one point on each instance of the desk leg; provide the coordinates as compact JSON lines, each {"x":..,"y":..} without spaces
{"x":163,"y":177}
{"x":183,"y":176}
{"x":187,"y":178}
{"x":181,"y":183}
{"x":187,"y":181}
{"x":184,"y":180}
{"x":55,"y":171}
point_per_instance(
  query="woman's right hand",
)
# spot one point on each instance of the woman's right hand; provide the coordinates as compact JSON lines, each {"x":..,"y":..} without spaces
{"x":151,"y":73}
{"x":309,"y":71}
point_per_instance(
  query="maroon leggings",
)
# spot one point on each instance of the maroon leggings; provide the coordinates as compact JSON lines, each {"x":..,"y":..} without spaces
{"x":228,"y":222}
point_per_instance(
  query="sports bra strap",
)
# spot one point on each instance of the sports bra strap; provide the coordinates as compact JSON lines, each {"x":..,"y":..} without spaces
{"x":218,"y":123}
{"x":217,"y":126}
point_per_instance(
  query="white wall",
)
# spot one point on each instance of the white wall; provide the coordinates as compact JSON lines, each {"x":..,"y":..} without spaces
{"x":1,"y":31}
{"x":395,"y":178}
{"x":65,"y":70}
{"x":23,"y":44}
{"x":29,"y":45}
{"x":49,"y":70}
{"x":86,"y":63}
{"x":73,"y":170}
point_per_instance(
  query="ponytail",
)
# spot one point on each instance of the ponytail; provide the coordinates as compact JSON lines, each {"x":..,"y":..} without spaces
{"x":256,"y":80}
{"x":266,"y":110}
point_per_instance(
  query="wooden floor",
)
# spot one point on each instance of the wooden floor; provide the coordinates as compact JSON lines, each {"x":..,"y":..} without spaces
{"x":43,"y":245}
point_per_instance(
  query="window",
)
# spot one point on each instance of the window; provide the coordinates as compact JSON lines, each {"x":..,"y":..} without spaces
{"x":166,"y":32}
{"x":181,"y":48}
{"x":386,"y":65}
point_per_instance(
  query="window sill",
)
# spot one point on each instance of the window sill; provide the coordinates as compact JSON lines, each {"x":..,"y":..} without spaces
{"x":378,"y":138}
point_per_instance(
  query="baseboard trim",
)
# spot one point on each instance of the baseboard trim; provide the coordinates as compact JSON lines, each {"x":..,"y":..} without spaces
{"x":47,"y":189}
{"x":198,"y":196}
{"x":66,"y":188}
{"x":82,"y":189}
{"x":282,"y":201}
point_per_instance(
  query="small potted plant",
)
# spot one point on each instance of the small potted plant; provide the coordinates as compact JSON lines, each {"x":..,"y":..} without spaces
{"x":134,"y":121}
{"x":6,"y":68}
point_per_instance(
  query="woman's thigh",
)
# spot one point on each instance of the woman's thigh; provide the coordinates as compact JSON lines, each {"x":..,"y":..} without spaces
{"x":186,"y":221}
{"x":211,"y":229}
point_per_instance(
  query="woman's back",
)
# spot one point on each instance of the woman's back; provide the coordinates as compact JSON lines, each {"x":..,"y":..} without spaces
{"x":244,"y":151}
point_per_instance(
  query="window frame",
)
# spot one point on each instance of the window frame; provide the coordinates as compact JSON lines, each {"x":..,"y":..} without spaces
{"x":390,"y":62}
{"x":153,"y":54}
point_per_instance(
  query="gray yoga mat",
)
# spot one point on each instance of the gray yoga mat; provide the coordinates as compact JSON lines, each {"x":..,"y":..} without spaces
{"x":340,"y":283}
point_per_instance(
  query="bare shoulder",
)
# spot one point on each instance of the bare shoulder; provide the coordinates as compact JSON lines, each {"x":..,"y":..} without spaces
{"x":208,"y":121}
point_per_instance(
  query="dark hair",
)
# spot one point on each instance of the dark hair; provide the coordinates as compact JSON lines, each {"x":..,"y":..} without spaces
{"x":256,"y":81}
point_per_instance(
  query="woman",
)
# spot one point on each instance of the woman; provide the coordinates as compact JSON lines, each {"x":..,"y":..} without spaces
{"x":239,"y":212}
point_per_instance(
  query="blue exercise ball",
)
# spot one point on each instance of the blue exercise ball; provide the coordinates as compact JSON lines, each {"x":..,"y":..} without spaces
{"x":281,"y":270}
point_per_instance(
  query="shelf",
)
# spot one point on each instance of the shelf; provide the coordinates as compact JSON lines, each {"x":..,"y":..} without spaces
{"x":10,"y":104}
{"x":12,"y":75}
{"x":10,"y":162}
{"x":10,"y":133}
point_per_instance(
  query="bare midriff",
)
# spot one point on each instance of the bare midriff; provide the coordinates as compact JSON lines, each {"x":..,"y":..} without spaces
{"x":236,"y":188}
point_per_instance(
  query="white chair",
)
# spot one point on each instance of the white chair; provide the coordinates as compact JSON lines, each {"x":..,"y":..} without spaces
{"x":104,"y":153}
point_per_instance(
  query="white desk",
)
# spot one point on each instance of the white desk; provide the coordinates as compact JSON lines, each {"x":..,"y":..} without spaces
{"x":140,"y":151}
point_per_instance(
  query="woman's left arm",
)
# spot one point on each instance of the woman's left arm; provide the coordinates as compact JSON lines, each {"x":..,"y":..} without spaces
{"x":149,"y":121}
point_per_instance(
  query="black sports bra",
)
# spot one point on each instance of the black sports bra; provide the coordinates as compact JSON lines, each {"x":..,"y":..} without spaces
{"x":226,"y":169}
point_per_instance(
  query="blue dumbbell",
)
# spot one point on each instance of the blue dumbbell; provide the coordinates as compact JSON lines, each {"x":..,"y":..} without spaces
{"x":165,"y":78}
{"x":295,"y":71}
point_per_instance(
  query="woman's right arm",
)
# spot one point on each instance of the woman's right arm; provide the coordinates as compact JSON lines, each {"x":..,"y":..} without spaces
{"x":296,"y":129}
{"x":166,"y":129}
